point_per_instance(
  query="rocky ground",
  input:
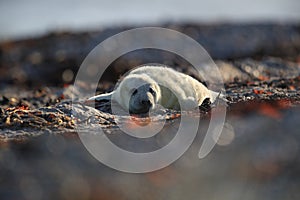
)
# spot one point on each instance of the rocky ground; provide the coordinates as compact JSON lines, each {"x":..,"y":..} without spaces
{"x":41,"y":155}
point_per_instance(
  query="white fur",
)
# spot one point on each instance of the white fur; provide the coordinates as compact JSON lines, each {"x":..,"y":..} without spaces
{"x":171,"y":87}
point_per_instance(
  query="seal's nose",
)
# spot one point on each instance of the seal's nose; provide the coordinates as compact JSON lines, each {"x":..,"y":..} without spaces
{"x":146,"y":103}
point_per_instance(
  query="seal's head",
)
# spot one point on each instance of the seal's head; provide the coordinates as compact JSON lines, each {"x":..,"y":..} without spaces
{"x":139,"y":93}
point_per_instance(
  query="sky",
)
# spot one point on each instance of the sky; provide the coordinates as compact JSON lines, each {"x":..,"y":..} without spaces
{"x":23,"y":18}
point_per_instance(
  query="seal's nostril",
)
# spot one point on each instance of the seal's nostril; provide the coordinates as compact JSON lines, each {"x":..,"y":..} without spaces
{"x":146,"y":102}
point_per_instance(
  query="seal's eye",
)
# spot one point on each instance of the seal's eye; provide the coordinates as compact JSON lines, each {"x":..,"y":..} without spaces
{"x":134,"y":91}
{"x":151,"y":91}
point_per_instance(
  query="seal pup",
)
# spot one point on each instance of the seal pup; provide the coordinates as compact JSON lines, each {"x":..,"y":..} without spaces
{"x":147,"y":86}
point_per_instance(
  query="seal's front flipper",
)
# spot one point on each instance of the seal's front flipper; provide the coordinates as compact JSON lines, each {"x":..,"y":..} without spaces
{"x":101,"y":97}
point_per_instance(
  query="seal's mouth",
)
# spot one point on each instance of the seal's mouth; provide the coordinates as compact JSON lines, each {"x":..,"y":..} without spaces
{"x":142,"y":110}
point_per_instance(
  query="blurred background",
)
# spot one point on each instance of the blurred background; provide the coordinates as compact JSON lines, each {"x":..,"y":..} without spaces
{"x":256,"y":44}
{"x":20,"y":19}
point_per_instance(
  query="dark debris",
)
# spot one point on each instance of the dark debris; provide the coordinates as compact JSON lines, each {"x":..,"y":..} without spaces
{"x":249,"y":72}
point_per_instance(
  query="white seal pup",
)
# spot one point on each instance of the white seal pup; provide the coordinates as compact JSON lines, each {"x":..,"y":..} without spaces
{"x":145,"y":87}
